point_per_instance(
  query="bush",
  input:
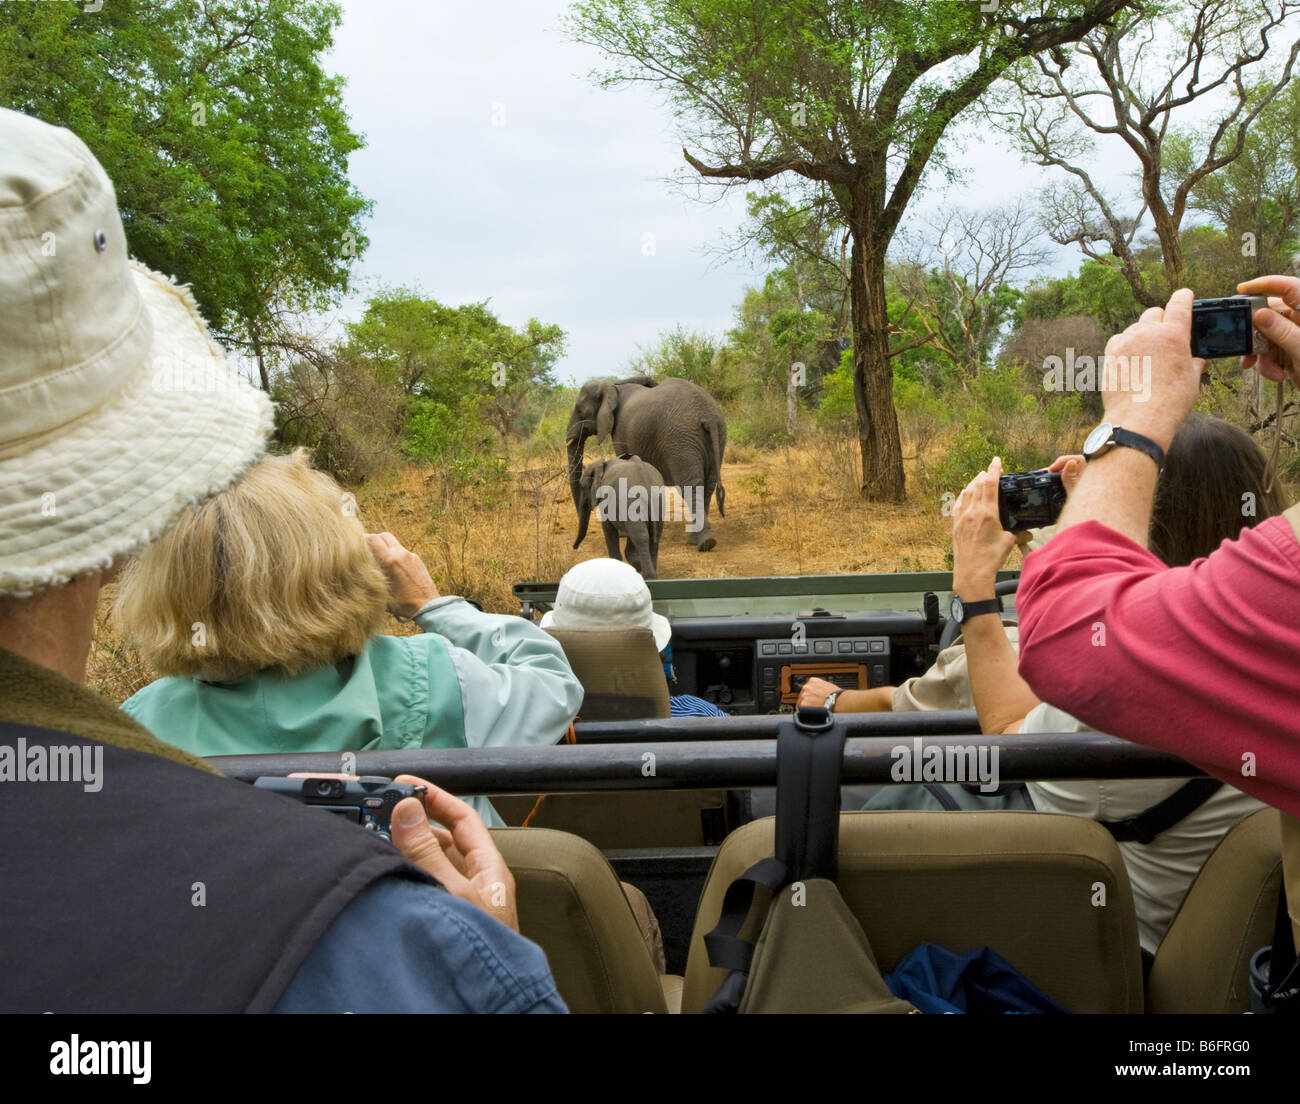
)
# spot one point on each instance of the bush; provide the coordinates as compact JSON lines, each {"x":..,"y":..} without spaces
{"x":759,"y":421}
{"x":922,"y":412}
{"x":837,"y":408}
{"x":973,"y":449}
{"x":682,"y":354}
{"x":346,"y":418}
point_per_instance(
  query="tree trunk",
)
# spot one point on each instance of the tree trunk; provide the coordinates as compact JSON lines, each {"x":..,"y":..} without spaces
{"x":791,"y":401}
{"x":873,"y":377}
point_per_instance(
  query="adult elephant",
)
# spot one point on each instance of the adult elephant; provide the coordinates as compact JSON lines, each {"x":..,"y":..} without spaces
{"x":674,"y":425}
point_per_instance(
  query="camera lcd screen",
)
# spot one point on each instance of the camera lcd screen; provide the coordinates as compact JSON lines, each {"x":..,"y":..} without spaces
{"x":1221,"y":332}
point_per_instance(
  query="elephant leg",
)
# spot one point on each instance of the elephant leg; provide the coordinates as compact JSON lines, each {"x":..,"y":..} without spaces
{"x":638,"y":549}
{"x":698,"y":530}
{"x":611,"y":541}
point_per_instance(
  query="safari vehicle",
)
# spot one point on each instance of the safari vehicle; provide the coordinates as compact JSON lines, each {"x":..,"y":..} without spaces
{"x":680,"y":807}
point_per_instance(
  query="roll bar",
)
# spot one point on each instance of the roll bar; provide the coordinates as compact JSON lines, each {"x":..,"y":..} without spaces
{"x":762,"y":726}
{"x":653,"y":764}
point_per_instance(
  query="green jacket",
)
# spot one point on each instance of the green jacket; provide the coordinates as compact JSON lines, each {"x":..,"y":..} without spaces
{"x":470,"y":680}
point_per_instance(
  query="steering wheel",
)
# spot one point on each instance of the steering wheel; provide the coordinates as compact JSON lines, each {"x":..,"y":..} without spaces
{"x":951,"y":629}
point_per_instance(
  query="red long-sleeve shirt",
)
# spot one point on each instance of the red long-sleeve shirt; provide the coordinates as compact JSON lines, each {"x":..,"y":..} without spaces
{"x":1202,"y":661}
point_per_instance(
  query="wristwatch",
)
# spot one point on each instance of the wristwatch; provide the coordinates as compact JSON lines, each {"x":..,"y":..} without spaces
{"x":1106,"y":437}
{"x":829,"y":703}
{"x":963,"y":611}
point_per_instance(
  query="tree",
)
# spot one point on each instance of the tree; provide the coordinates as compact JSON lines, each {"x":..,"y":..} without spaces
{"x":962,"y":278}
{"x":854,"y":95}
{"x":1098,"y":289}
{"x":459,"y":364}
{"x":1131,"y":79}
{"x":226,"y":141}
{"x":809,"y":244}
{"x":1255,"y":200}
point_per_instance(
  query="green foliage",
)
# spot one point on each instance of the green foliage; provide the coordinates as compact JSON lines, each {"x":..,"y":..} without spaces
{"x":449,"y":386}
{"x":837,"y":408}
{"x":757,"y":485}
{"x":1098,"y":289}
{"x":225,"y":139}
{"x":758,"y":421}
{"x":462,"y":358}
{"x":692,"y":356}
{"x":1257,"y":194}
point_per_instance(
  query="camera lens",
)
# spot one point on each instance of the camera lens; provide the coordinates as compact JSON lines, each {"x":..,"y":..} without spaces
{"x":327,"y":787}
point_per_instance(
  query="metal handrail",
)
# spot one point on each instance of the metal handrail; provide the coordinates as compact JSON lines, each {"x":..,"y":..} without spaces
{"x":763,"y":726}
{"x":699,"y":764}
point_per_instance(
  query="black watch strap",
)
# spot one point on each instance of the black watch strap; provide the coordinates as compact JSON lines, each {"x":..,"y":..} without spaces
{"x":1126,"y":438}
{"x":974,"y":609}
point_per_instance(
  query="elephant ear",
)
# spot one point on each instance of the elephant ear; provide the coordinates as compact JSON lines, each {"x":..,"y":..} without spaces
{"x":589,"y":478}
{"x":608,"y":409}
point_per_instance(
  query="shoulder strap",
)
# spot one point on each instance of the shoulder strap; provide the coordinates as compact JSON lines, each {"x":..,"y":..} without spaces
{"x":1143,"y":827}
{"x":809,"y":755}
{"x":809,"y":751}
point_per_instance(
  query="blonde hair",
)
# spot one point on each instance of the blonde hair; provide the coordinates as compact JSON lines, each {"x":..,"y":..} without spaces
{"x":273,"y":572}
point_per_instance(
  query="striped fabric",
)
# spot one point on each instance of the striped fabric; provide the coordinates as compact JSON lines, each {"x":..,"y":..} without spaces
{"x":687,"y":705}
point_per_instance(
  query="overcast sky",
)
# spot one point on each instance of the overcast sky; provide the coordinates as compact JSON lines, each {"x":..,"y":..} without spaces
{"x":545,"y":213}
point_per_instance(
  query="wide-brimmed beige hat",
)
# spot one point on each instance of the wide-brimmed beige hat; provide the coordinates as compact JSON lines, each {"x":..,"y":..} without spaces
{"x":606,"y":594}
{"x":117,"y":410}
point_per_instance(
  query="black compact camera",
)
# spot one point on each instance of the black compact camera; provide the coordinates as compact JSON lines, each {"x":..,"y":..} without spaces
{"x":1226,"y":328}
{"x":1030,"y":500}
{"x":367,"y":801}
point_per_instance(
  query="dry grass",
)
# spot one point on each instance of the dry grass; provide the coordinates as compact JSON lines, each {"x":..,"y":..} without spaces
{"x":789,"y":512}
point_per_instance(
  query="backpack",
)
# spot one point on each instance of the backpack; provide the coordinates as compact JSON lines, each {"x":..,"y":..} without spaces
{"x":810,"y":953}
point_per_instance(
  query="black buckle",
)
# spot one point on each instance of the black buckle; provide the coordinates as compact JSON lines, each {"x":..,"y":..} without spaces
{"x":814,"y":718}
{"x":1131,"y":829}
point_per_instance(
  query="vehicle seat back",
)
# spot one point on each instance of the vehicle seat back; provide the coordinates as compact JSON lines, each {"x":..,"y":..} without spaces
{"x":572,"y":905}
{"x":1203,"y":962}
{"x":1047,"y":892}
{"x":623,"y":679}
{"x":621,"y":674}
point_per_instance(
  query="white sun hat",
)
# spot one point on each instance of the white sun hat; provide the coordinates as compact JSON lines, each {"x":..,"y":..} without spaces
{"x":117,"y":409}
{"x":606,"y":594}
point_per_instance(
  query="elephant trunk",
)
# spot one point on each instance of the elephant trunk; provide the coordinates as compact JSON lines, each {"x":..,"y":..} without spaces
{"x":576,"y":444}
{"x":584,"y":516}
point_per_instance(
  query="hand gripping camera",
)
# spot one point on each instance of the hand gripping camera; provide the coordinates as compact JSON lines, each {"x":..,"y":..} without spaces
{"x":367,"y":801}
{"x":1226,"y":328}
{"x":1030,"y":500}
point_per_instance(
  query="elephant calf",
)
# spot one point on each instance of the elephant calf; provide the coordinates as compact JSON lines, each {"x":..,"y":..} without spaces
{"x":629,"y":495}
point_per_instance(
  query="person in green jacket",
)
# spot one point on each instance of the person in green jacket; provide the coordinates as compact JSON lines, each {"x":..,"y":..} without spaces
{"x":263,"y":609}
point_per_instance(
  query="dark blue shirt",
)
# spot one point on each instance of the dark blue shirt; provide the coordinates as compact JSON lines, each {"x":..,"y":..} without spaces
{"x":401,"y":946}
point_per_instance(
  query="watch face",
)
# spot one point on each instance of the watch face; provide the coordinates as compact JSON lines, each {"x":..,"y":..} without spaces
{"x":956,"y":609}
{"x":1097,"y":438}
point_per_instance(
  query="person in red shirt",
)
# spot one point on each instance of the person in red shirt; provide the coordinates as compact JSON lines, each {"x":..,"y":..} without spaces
{"x":1199,"y":660}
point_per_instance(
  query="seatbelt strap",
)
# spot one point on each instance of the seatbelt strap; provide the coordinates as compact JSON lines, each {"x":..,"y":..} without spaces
{"x":809,"y":757}
{"x":1145,"y":826}
{"x":809,"y":753}
{"x":724,"y":945}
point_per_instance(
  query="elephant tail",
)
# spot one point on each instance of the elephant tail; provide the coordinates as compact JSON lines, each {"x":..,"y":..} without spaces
{"x":713,"y":465}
